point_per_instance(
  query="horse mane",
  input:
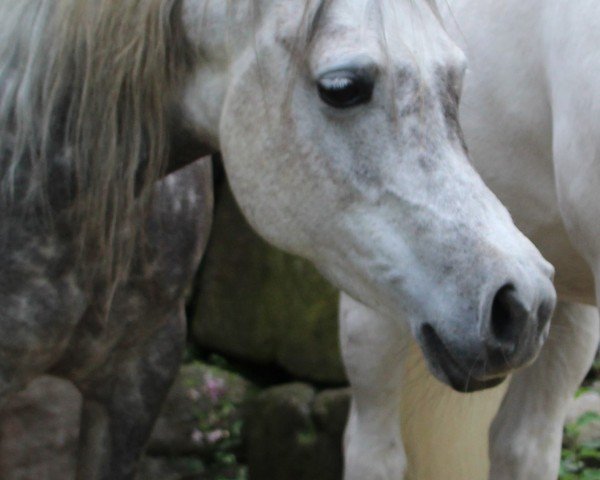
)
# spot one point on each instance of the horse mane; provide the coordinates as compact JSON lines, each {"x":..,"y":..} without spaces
{"x":86,"y":98}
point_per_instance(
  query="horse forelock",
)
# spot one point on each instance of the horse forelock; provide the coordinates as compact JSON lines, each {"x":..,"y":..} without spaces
{"x":86,"y":91}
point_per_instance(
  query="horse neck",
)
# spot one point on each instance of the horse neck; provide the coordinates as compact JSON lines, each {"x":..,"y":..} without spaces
{"x":219,"y":31}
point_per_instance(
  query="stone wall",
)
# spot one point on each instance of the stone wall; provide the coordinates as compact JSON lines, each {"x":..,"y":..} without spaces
{"x":215,"y":425}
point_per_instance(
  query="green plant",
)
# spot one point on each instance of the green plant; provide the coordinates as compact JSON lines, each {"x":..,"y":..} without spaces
{"x":580,"y":460}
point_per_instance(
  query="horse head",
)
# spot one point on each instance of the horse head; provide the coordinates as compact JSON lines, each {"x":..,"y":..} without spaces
{"x":337,"y":121}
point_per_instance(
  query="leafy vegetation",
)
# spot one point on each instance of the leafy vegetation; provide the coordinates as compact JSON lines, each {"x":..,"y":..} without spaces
{"x":580,"y":460}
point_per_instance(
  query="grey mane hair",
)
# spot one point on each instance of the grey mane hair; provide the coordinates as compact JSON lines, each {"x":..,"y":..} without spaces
{"x":85,"y":91}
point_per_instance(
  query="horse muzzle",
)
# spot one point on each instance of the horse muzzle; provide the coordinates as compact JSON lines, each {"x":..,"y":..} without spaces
{"x":510,"y":335}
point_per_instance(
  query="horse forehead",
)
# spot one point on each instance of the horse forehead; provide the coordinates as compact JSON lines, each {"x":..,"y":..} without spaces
{"x":402,"y":28}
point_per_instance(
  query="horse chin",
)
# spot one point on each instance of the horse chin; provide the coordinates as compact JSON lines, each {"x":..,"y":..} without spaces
{"x":447,"y":370}
{"x":471,"y":384}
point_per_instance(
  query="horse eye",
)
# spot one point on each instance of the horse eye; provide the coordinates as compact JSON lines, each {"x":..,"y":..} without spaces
{"x":345,"y":89}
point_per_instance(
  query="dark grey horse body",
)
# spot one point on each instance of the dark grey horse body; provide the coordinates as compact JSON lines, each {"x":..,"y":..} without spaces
{"x":93,"y":275}
{"x":121,"y":346}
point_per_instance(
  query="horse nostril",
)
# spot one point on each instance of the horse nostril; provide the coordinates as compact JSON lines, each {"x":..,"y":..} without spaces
{"x":508,"y":319}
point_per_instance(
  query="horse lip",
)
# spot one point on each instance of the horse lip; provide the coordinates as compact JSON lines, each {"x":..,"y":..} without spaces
{"x":455,"y":375}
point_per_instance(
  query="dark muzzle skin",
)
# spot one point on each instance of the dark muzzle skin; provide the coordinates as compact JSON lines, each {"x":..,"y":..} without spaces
{"x":511,"y":334}
{"x":514,"y":332}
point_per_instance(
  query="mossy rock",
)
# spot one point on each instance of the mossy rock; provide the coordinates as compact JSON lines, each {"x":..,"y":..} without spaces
{"x":288,"y":434}
{"x":202,"y":414}
{"x":259,"y":304}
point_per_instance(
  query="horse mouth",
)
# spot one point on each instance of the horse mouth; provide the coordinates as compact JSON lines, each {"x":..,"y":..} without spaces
{"x":452,"y":372}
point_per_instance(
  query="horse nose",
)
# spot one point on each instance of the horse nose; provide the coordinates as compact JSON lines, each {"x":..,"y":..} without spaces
{"x":515,"y":328}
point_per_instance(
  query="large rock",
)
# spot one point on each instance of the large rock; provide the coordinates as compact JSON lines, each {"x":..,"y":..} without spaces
{"x":39,"y":428}
{"x":202,"y":412}
{"x":259,"y":304}
{"x":293,"y":433}
{"x":330,"y":412}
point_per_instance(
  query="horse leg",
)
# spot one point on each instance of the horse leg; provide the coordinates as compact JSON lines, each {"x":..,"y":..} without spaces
{"x":40,"y":303}
{"x":373,"y":349}
{"x":122,"y":402}
{"x":526,"y":435}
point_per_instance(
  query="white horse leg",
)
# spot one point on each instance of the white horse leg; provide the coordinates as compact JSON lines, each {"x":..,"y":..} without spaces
{"x":526,"y":435}
{"x":373,"y":349}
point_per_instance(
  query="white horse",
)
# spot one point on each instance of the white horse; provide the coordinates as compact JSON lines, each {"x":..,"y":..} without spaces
{"x":531,"y":115}
{"x":337,"y":124}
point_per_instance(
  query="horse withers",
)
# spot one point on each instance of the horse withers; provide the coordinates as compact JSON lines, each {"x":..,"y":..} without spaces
{"x":337,"y":121}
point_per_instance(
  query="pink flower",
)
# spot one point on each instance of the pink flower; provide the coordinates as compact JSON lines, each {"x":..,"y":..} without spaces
{"x":214,"y":387}
{"x":216,"y":436}
{"x":197,"y":436}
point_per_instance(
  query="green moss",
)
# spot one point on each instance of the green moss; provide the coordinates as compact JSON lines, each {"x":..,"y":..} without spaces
{"x":307,"y":438}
